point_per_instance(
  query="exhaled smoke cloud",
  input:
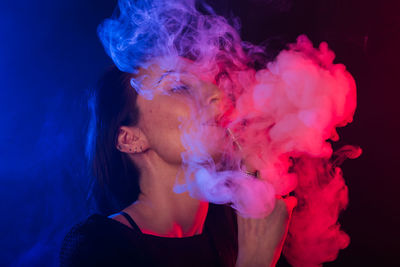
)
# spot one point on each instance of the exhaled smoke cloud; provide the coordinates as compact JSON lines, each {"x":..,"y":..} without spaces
{"x":276,"y":119}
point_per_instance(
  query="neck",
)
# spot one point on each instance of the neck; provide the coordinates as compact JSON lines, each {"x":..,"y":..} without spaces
{"x":161,"y":212}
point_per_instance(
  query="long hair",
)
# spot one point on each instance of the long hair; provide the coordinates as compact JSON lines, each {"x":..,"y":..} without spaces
{"x":115,"y":178}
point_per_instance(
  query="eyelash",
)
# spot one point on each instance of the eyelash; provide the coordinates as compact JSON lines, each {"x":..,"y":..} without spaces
{"x":180,"y":89}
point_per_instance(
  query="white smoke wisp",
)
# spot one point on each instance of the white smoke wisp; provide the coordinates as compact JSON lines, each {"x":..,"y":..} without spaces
{"x":281,"y":115}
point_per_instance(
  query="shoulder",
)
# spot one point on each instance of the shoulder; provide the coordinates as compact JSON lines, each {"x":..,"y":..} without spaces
{"x":97,"y":241}
{"x":81,"y":242}
{"x":121,"y":219}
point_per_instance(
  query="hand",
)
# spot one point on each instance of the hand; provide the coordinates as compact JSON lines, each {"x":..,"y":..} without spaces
{"x":260,"y":241}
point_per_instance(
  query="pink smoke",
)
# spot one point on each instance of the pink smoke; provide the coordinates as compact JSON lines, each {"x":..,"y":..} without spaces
{"x":283,"y":117}
{"x":280,"y":118}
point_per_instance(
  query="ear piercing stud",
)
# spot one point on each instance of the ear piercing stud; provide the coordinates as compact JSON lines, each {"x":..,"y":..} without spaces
{"x":130,"y":149}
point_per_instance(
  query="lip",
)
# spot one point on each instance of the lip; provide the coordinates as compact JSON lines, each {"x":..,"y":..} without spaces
{"x":211,"y":124}
{"x":217,"y":119}
{"x":224,"y":118}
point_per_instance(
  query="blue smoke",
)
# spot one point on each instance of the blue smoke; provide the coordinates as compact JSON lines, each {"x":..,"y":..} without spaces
{"x":142,"y":30}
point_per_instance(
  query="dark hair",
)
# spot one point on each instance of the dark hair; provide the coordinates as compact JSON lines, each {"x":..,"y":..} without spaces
{"x":115,"y":177}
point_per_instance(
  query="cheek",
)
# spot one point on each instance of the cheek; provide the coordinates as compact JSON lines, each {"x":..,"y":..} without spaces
{"x":161,"y":122}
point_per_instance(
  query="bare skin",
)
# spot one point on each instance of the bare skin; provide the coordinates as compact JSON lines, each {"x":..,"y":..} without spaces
{"x":154,"y":145}
{"x":159,"y":211}
{"x":260,"y":241}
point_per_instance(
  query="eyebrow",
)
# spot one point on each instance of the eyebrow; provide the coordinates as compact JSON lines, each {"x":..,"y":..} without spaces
{"x":165,"y":74}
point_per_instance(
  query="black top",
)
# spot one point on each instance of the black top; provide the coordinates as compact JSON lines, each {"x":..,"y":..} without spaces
{"x":101,"y":241}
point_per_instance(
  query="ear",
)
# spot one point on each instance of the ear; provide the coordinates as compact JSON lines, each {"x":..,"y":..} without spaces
{"x":131,"y":140}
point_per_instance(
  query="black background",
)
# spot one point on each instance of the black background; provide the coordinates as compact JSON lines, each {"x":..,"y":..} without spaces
{"x":50,"y":56}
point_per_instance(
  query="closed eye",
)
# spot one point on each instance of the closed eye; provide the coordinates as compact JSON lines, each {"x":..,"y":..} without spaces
{"x":180,"y":89}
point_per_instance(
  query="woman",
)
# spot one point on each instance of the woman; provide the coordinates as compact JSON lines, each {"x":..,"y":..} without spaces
{"x":136,"y":159}
{"x":135,"y":135}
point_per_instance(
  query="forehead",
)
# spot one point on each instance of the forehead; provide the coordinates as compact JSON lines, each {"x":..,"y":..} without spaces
{"x":160,"y":68}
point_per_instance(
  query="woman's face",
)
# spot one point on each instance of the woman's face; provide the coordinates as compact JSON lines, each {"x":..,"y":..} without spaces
{"x":183,"y":100}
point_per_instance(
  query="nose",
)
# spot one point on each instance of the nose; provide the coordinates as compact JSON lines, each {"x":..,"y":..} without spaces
{"x":213,"y":95}
{"x":212,"y":101}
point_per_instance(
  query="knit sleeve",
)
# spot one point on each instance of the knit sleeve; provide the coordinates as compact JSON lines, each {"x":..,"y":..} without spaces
{"x":91,"y":243}
{"x":100,"y":241}
{"x":76,"y":249}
